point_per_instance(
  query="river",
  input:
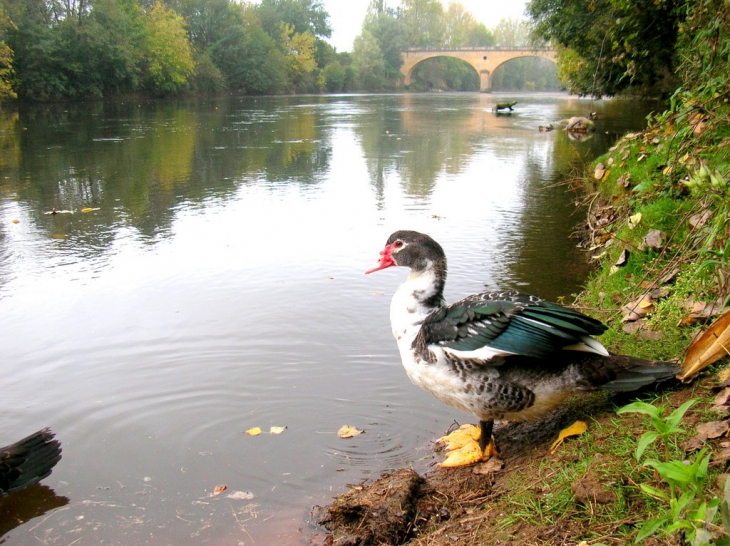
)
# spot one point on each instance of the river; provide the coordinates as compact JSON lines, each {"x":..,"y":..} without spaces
{"x":215,"y":284}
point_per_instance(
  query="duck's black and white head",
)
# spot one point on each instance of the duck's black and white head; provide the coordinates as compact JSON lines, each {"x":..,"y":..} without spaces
{"x":414,"y":250}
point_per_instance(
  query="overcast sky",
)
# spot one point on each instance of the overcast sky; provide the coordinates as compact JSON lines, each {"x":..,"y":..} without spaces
{"x":346,"y":16}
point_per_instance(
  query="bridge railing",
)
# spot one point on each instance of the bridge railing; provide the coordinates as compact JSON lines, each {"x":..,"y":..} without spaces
{"x":474,"y":48}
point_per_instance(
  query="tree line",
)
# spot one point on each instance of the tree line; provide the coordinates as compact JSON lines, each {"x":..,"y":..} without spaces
{"x":76,"y":49}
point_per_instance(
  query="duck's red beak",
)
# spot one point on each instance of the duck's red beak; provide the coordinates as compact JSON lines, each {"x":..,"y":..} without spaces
{"x":385,"y":261}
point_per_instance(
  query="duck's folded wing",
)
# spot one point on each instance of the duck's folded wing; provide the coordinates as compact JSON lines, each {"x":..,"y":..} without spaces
{"x":488,"y":327}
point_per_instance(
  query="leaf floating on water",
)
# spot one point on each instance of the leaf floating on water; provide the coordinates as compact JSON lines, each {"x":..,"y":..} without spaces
{"x":15,"y":221}
{"x":255,"y":431}
{"x":218,"y":489}
{"x":348,"y":431}
{"x":276,"y":430}
{"x":90,"y":209}
{"x":240,"y":495}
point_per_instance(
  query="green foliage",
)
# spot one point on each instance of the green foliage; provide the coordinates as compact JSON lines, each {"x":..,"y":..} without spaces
{"x":303,"y":15}
{"x":390,"y":35}
{"x":612,"y":47}
{"x":527,"y":73}
{"x":6,"y":73}
{"x":168,"y":57}
{"x":424,"y":22}
{"x":367,"y":58}
{"x":444,"y":73}
{"x":689,"y":505}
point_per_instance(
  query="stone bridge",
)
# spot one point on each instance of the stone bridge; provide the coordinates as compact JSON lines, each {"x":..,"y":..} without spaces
{"x":484,"y":60}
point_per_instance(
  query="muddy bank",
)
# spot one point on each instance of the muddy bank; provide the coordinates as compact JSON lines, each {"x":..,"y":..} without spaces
{"x":446,"y":504}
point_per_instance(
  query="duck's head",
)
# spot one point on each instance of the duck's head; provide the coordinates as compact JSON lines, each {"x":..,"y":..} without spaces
{"x":411,"y":249}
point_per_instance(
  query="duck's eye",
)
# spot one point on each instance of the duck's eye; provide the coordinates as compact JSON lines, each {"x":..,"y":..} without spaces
{"x":398,"y":244}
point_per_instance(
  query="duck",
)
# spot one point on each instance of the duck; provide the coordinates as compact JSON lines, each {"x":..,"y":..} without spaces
{"x":503,"y":356}
{"x":28,"y":461}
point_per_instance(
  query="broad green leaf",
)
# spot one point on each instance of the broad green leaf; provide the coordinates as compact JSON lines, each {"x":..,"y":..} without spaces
{"x":654,"y":492}
{"x":651,"y":527}
{"x":676,"y":416}
{"x":672,"y":470}
{"x":644,"y":442}
{"x":639,"y":407}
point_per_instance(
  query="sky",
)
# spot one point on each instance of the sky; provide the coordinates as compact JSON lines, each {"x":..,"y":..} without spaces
{"x":346,"y":16}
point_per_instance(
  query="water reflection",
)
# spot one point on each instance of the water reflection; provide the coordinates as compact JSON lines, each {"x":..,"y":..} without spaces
{"x":220,"y":286}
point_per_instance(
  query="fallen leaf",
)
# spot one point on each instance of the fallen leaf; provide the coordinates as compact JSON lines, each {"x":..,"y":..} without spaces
{"x":348,"y":431}
{"x":655,"y":240}
{"x":576,"y":429}
{"x":641,"y":306}
{"x":600,"y":171}
{"x":713,"y":429}
{"x":218,"y":489}
{"x":255,"y":431}
{"x":634,"y":220}
{"x":15,"y":221}
{"x":641,"y":329}
{"x":710,"y":347}
{"x":240,"y":495}
{"x":720,"y":458}
{"x":623,"y":258}
{"x":694,"y":444}
{"x":89,"y":209}
{"x":276,"y":430}
{"x":699,"y":220}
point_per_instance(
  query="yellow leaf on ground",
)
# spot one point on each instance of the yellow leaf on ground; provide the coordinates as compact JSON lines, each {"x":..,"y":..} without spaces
{"x":255,"y":431}
{"x":707,"y":349}
{"x":276,"y":430}
{"x":577,"y":428}
{"x":634,"y":220}
{"x":348,"y":431}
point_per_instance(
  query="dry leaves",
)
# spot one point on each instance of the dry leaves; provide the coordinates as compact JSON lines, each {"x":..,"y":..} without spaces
{"x":255,"y":431}
{"x":707,"y":349}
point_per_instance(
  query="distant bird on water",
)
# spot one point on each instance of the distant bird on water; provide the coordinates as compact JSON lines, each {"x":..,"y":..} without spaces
{"x":497,"y":355}
{"x":28,"y":461}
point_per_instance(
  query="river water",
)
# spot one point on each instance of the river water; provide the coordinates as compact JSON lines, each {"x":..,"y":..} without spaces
{"x":218,"y":286}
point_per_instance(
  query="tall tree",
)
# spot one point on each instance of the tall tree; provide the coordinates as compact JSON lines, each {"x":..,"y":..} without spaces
{"x":303,"y":15}
{"x":424,"y":20}
{"x":391,"y":36}
{"x":367,"y":58}
{"x":167,"y":52}
{"x":610,"y":47}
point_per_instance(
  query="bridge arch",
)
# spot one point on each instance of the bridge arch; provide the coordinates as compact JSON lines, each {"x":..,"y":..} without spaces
{"x":485,"y":60}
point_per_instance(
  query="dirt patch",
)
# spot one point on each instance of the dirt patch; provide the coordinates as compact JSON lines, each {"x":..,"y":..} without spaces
{"x":462,"y":505}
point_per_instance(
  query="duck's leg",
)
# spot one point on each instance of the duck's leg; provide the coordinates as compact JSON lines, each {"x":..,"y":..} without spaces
{"x":486,"y":443}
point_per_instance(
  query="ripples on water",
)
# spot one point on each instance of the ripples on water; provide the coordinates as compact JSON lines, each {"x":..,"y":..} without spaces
{"x":220,"y":287}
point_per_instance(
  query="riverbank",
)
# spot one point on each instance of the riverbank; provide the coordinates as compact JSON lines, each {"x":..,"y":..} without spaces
{"x":657,"y":230}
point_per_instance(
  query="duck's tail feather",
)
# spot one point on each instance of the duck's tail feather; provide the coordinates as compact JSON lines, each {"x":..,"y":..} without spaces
{"x":634,"y":373}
